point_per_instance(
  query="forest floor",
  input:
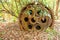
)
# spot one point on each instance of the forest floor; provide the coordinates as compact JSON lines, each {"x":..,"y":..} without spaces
{"x":11,"y":31}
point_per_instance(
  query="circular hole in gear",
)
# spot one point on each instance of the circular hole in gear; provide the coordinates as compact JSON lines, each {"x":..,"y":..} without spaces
{"x":26,"y":19}
{"x":30,"y":11}
{"x":38,"y":12}
{"x":38,"y":27}
{"x":43,"y":21}
{"x":32,"y":20}
{"x":30,"y":26}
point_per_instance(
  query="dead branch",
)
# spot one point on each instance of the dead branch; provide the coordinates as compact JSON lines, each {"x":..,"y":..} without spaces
{"x":8,"y":11}
{"x":57,"y":6}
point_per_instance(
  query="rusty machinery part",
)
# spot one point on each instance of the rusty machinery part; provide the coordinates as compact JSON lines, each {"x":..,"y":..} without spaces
{"x":34,"y":17}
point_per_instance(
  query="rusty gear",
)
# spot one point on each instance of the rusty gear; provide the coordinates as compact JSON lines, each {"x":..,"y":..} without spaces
{"x":34,"y":17}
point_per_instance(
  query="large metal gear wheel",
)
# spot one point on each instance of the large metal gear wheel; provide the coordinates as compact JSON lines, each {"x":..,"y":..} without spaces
{"x":35,"y":17}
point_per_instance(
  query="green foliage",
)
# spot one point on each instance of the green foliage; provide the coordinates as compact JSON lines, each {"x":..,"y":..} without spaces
{"x":51,"y":33}
{"x":0,"y":38}
{"x":14,"y":7}
{"x":49,"y":3}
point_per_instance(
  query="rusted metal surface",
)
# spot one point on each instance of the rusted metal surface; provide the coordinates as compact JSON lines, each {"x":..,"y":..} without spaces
{"x":33,"y":17}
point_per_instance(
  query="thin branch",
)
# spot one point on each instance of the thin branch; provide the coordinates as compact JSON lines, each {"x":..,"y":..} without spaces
{"x":10,"y":12}
{"x":16,"y":6}
{"x":57,"y":6}
{"x":4,"y":6}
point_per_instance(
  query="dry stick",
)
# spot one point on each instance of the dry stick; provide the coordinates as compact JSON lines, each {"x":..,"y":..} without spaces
{"x":57,"y":6}
{"x":9,"y":12}
{"x":9,"y":8}
{"x":16,"y":7}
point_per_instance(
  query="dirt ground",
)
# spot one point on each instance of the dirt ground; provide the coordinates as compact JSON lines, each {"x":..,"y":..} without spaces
{"x":11,"y":31}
